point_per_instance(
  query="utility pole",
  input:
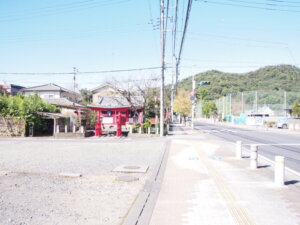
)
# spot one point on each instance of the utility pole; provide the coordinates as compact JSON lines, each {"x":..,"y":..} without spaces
{"x":193,"y":101}
{"x":162,"y":47}
{"x":74,"y":78}
{"x":74,"y":82}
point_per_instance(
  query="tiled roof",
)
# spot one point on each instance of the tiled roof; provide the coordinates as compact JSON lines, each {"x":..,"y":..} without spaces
{"x":61,"y":101}
{"x":119,"y":101}
{"x":47,"y":87}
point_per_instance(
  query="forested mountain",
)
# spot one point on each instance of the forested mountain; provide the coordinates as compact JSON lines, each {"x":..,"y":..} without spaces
{"x":269,"y":78}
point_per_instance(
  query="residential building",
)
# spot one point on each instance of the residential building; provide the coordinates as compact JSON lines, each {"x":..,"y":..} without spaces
{"x":9,"y":89}
{"x":52,"y":93}
{"x":104,"y":90}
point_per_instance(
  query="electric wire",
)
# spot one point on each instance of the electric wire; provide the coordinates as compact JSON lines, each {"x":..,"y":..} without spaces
{"x":79,"y":72}
{"x":247,"y":6}
{"x":54,"y":11}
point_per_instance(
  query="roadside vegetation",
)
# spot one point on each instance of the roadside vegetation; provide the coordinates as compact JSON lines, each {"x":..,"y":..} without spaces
{"x":25,"y":108}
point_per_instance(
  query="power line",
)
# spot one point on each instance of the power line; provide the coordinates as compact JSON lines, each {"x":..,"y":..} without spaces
{"x":188,"y":11}
{"x":239,"y":38}
{"x":247,"y":6}
{"x":80,"y":72}
{"x":54,"y":11}
{"x":264,"y":4}
{"x":295,"y":2}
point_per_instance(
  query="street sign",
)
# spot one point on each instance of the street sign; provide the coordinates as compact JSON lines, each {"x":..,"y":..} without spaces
{"x":192,"y":98}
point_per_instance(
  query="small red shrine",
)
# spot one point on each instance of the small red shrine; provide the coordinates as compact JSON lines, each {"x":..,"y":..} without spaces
{"x":115,"y":113}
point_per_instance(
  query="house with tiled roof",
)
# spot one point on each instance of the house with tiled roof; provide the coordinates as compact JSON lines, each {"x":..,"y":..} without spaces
{"x":53,"y":94}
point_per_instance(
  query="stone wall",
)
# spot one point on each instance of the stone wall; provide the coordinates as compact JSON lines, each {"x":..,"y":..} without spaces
{"x":11,"y":127}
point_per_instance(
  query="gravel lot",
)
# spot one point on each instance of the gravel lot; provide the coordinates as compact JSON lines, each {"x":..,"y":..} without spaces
{"x":33,"y":193}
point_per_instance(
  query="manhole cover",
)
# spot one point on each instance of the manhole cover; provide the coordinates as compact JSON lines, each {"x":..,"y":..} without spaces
{"x":132,"y":167}
{"x":126,"y":178}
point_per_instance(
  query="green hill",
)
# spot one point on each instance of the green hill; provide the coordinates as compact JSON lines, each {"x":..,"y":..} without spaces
{"x":269,"y":78}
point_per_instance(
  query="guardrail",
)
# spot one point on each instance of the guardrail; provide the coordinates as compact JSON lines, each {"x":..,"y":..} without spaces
{"x":279,"y":163}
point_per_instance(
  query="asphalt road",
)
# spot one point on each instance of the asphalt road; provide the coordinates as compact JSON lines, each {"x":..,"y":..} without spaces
{"x":273,"y":141}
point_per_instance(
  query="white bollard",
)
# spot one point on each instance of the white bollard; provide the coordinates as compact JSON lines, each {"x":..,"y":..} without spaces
{"x":168,"y":127}
{"x":130,"y":129}
{"x":149,"y":130}
{"x":279,"y":170}
{"x":253,"y":157}
{"x":140,"y":130}
{"x":238,"y":150}
{"x":82,"y":129}
{"x":66,"y":128}
{"x":156,"y":130}
{"x":57,"y":128}
{"x":74,"y":129}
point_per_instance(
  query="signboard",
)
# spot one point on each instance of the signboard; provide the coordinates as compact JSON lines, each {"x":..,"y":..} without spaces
{"x":107,"y":120}
{"x":192,"y":98}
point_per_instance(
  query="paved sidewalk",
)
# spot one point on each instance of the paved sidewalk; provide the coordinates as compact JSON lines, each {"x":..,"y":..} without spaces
{"x":205,"y":184}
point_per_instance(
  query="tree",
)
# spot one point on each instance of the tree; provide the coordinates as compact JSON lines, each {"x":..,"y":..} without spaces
{"x":26,"y":108}
{"x":86,"y":96}
{"x":202,"y":94}
{"x":209,"y":109}
{"x":296,"y":109}
{"x":182,"y":103}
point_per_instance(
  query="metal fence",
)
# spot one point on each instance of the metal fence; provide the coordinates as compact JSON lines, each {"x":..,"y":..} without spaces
{"x":274,"y":103}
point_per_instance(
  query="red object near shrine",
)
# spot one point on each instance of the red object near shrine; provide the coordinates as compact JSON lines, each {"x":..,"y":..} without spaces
{"x":114,"y":118}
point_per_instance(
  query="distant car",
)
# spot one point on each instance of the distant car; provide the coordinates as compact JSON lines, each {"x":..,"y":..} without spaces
{"x":283,"y":123}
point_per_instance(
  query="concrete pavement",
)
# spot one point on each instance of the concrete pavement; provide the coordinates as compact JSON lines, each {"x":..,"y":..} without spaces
{"x":204,"y":184}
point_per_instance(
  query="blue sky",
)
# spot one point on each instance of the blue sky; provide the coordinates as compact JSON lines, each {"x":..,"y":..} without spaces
{"x":95,"y":35}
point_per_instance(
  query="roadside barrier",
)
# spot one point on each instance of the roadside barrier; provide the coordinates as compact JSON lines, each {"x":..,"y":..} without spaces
{"x":279,"y":170}
{"x":279,"y":163}
{"x":253,"y":156}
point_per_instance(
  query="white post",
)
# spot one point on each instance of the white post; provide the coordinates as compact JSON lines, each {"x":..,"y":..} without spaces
{"x":140,"y":130}
{"x":157,"y":130}
{"x":149,"y":130}
{"x":168,"y":127}
{"x":57,"y":128}
{"x":279,"y":170}
{"x":238,"y":151}
{"x":54,"y":126}
{"x":81,"y":129}
{"x":130,"y":129}
{"x":253,"y":157}
{"x":74,"y":129}
{"x":66,"y":128}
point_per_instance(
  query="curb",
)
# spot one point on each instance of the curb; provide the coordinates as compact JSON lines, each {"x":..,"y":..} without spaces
{"x":141,"y":211}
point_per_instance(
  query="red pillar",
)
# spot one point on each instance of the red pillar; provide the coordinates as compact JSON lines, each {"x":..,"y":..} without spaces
{"x":119,"y":126}
{"x":98,"y":130}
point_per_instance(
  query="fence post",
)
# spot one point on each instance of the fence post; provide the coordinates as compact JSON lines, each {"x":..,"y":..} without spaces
{"x":149,"y":130}
{"x":57,"y":129}
{"x":253,"y":157}
{"x":66,"y":128}
{"x":156,"y":130}
{"x":74,"y":129}
{"x":82,"y":129}
{"x":130,"y":129}
{"x":238,"y":150}
{"x":140,"y":130}
{"x":279,"y":170}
